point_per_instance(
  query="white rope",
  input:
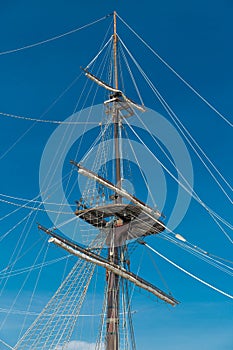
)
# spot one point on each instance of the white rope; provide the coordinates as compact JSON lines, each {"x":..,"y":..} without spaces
{"x":32,"y":313}
{"x":19,"y":245}
{"x":199,"y":253}
{"x":140,"y":169}
{"x":178,"y":75}
{"x":191,"y":248}
{"x":98,"y":138}
{"x":221,"y":228}
{"x":11,"y":264}
{"x":42,"y":115}
{"x":38,"y":208}
{"x":89,"y":115}
{"x":67,"y":221}
{"x":35,"y":209}
{"x":214,"y":215}
{"x":58,"y":121}
{"x":173,"y":115}
{"x":132,"y":77}
{"x":22,"y":286}
{"x":98,"y":54}
{"x":177,"y":122}
{"x":4,"y":343}
{"x":33,"y":201}
{"x":45,"y":120}
{"x":34,"y":291}
{"x":53,"y":38}
{"x":174,"y":178}
{"x":190,"y":192}
{"x":20,"y":271}
{"x":19,"y":207}
{"x":50,"y":328}
{"x":2,"y":237}
{"x":189,"y":273}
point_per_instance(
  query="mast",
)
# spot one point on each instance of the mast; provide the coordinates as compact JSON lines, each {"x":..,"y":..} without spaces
{"x":136,"y":219}
{"x":112,"y":326}
{"x":115,"y":39}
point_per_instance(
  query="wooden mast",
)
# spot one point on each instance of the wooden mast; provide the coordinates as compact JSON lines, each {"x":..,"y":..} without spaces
{"x":115,"y":39}
{"x":112,"y":326}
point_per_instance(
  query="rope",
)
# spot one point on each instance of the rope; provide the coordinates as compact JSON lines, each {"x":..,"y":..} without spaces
{"x":53,"y":38}
{"x":200,"y":253}
{"x":17,"y":272}
{"x":22,"y":286}
{"x":178,"y":75}
{"x":35,"y":209}
{"x":13,"y":227}
{"x":177,"y":123}
{"x":140,"y":169}
{"x":56,"y":322}
{"x":213,"y":214}
{"x":4,"y":343}
{"x":45,"y":120}
{"x":20,"y":244}
{"x":34,"y":201}
{"x":34,"y":291}
{"x":19,"y":257}
{"x":189,"y":273}
{"x":45,"y":112}
{"x":210,"y":211}
{"x":32,"y":313}
{"x":103,"y":45}
{"x":131,"y":75}
{"x":95,"y":58}
{"x":191,"y":248}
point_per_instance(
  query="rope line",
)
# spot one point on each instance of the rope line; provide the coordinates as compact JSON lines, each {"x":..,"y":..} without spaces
{"x":53,"y":38}
{"x":4,"y":343}
{"x":190,"y":248}
{"x":189,"y":273}
{"x":34,"y":208}
{"x":32,"y":313}
{"x":180,"y":126}
{"x":35,"y":267}
{"x":177,"y":74}
{"x":33,"y":201}
{"x":200,"y":254}
{"x":174,"y":178}
{"x":45,"y":120}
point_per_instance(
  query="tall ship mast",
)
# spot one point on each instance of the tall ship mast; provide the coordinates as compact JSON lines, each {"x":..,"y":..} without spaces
{"x":112,"y":215}
{"x":123,"y":219}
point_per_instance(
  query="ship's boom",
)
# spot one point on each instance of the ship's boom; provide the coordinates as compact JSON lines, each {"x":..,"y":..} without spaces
{"x":82,"y":253}
{"x":121,"y":192}
{"x":116,"y":92}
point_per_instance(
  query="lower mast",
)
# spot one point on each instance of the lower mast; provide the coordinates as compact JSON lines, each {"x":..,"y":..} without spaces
{"x":112,"y":326}
{"x":113,"y":285}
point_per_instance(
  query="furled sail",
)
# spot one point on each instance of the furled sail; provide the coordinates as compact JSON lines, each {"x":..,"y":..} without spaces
{"x":87,"y":255}
{"x":116,"y":92}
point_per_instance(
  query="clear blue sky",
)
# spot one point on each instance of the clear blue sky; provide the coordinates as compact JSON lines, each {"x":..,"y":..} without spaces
{"x":195,"y":38}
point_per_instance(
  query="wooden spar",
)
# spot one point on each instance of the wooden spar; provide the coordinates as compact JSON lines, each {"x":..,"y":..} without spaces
{"x":115,"y":39}
{"x":121,"y":192}
{"x":100,"y":82}
{"x":87,"y":255}
{"x":118,"y":93}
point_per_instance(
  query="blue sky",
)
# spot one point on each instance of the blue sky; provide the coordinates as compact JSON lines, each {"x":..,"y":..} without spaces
{"x":194,"y":38}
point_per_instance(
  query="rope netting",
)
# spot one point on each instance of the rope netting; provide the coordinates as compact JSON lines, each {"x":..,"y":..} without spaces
{"x":54,"y":326}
